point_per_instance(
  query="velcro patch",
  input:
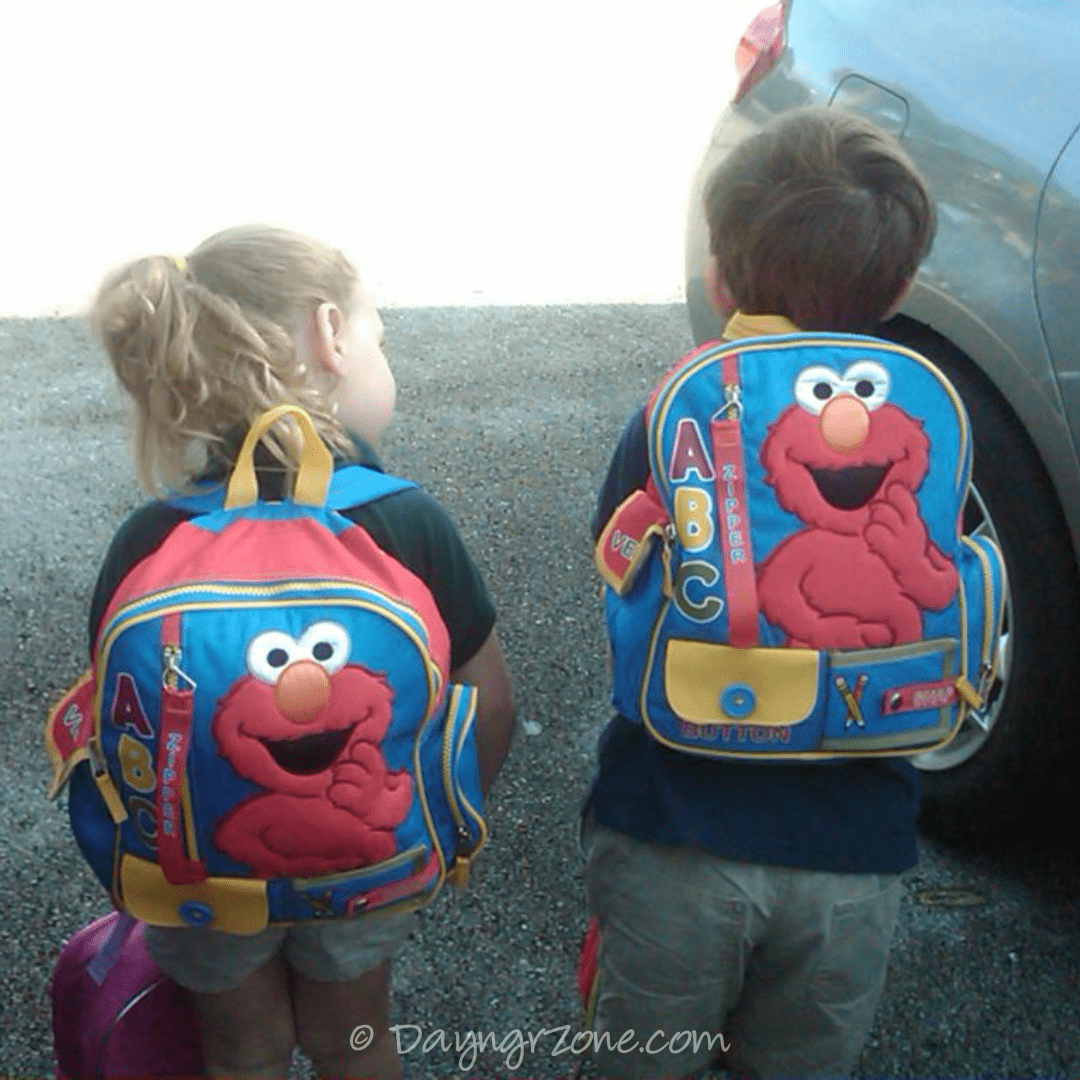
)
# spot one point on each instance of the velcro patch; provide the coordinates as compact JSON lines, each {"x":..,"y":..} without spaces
{"x":68,"y":729}
{"x":627,"y":539}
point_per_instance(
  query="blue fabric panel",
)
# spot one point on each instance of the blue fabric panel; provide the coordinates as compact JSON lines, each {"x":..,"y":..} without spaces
{"x":351,"y":485}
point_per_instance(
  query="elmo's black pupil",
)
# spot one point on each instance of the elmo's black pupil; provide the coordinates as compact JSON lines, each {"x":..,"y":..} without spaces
{"x":277,"y":658}
{"x":822,"y":391}
{"x":864,"y":388}
{"x":323,"y":651}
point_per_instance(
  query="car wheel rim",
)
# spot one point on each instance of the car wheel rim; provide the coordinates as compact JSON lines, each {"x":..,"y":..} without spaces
{"x":979,"y":724}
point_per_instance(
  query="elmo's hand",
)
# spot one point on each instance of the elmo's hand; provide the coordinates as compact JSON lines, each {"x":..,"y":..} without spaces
{"x":358,"y":780}
{"x":898,"y":535}
{"x":362,"y":786}
{"x":895,"y":530}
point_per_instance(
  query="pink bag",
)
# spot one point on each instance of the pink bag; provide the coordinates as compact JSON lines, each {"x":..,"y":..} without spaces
{"x":587,"y":971}
{"x":115,"y":1012}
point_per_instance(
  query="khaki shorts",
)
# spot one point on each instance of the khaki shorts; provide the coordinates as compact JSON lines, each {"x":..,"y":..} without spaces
{"x":337,"y":950}
{"x":787,"y":965}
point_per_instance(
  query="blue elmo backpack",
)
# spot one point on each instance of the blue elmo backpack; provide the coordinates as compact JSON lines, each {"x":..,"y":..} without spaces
{"x":268,"y":733}
{"x":792,"y":582}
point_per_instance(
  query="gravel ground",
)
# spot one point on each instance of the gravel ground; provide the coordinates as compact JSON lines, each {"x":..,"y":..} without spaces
{"x":507,"y":415}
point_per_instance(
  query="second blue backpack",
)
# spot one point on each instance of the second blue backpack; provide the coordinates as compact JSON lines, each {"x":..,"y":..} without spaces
{"x":793,"y":581}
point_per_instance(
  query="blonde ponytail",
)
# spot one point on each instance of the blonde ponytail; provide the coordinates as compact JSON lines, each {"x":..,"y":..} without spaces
{"x":204,"y":344}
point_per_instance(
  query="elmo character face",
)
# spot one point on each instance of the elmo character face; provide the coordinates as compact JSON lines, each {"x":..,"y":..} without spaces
{"x":829,"y":455}
{"x":300,"y":710}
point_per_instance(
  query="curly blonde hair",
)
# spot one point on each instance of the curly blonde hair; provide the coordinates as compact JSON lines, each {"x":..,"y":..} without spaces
{"x":204,"y":344}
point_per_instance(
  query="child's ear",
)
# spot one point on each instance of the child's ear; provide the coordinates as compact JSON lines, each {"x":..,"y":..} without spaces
{"x":716,"y":289}
{"x":324,"y":333}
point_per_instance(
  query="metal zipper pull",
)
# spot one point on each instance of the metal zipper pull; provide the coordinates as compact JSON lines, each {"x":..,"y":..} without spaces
{"x":173,"y":674}
{"x":461,"y":870}
{"x":732,"y":406}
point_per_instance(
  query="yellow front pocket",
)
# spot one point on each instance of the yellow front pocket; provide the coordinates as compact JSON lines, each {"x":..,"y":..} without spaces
{"x":719,"y":684}
{"x":235,"y":905}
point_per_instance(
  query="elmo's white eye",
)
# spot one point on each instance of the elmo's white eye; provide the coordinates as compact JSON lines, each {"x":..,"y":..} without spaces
{"x":869,"y":382}
{"x":270,"y":653}
{"x":866,"y":381}
{"x":327,"y":643}
{"x":816,"y":386}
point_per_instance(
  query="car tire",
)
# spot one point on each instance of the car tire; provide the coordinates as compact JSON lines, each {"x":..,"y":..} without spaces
{"x":999,"y":782}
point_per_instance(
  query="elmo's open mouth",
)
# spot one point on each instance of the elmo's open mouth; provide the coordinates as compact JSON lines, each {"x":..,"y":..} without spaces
{"x":308,"y":754}
{"x":850,"y":488}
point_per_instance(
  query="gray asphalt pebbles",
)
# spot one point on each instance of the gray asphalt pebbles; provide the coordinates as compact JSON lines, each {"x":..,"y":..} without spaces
{"x":508,"y":416}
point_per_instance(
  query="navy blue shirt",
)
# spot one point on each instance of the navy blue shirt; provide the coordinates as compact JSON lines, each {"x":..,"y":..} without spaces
{"x":848,"y":816}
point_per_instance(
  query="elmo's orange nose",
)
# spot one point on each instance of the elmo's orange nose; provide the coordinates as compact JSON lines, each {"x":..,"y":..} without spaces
{"x":844,"y":423}
{"x":302,"y":691}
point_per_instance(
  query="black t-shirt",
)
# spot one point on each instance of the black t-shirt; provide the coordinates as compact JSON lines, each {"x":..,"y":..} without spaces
{"x":410,"y":525}
{"x":853,"y":816}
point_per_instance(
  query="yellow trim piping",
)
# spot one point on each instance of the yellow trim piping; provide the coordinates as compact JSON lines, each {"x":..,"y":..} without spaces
{"x":107,"y":789}
{"x":991,"y":624}
{"x":265,"y":599}
{"x":739,"y":346}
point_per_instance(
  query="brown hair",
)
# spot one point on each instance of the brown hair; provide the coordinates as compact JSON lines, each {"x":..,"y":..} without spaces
{"x":204,"y":344}
{"x":820,"y":217}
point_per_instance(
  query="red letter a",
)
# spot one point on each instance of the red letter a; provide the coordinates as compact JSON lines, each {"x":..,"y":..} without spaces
{"x":127,"y":710}
{"x":689,"y":453}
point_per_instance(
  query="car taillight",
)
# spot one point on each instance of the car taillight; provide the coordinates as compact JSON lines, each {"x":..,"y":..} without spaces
{"x":759,"y":47}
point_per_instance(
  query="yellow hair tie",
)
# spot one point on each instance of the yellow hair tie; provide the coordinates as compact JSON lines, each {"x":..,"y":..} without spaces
{"x":180,"y":263}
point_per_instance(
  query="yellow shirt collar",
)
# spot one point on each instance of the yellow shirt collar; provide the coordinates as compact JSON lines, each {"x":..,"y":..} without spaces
{"x":741,"y":325}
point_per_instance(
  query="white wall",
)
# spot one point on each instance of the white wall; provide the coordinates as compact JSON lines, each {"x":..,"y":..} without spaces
{"x":471,"y":152}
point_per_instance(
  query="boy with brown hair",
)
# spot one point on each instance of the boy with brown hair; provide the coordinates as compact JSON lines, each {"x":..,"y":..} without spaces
{"x":758,"y":899}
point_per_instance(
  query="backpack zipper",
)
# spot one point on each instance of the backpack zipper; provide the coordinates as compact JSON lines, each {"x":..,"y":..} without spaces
{"x":220,"y":595}
{"x":464,"y":847}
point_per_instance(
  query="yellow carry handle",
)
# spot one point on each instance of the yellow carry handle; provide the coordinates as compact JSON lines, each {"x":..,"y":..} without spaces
{"x":312,"y":477}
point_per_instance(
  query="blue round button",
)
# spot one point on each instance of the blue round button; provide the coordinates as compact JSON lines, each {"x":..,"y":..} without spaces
{"x":738,"y":701}
{"x":196,"y":913}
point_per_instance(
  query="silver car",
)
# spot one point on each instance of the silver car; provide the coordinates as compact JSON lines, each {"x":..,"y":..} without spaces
{"x":986,"y":100}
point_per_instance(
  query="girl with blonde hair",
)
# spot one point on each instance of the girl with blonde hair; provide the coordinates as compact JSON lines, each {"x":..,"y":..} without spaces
{"x":252,"y":318}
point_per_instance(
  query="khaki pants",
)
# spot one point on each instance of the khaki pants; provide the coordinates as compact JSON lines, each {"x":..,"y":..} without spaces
{"x":337,"y":950}
{"x":787,"y":965}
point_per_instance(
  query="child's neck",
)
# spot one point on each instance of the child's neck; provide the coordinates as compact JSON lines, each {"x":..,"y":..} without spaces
{"x":741,"y":325}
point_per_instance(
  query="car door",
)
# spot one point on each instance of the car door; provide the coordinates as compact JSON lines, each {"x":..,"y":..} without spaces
{"x":1057,"y":277}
